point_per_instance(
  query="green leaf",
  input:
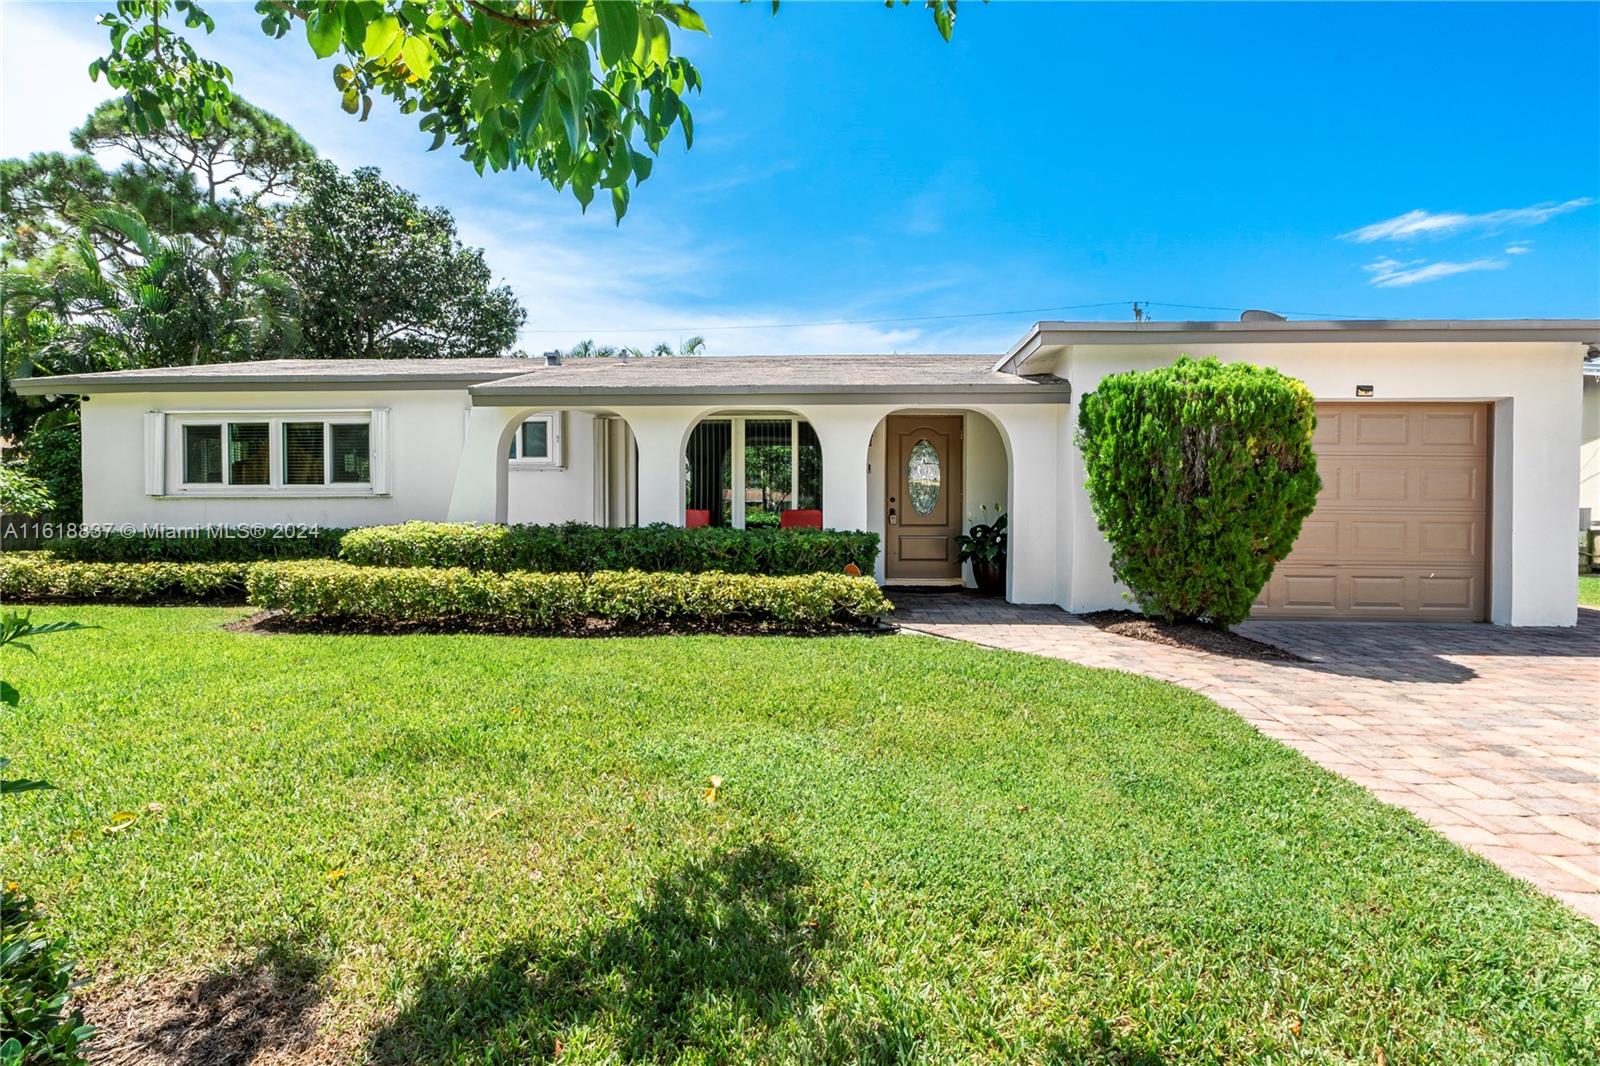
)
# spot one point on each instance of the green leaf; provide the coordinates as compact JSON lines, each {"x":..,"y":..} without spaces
{"x":350,"y":100}
{"x":641,"y":166}
{"x":619,"y":201}
{"x":419,"y":57}
{"x":11,"y":1052}
{"x":13,"y":785}
{"x":324,"y":29}
{"x":525,"y":79}
{"x":660,"y":41}
{"x":355,"y":24}
{"x":619,"y":30}
{"x":686,"y":120}
{"x":383,"y":33}
{"x":685,"y":17}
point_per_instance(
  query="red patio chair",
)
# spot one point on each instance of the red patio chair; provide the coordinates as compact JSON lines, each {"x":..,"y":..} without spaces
{"x":811,"y":519}
{"x":695,"y":517}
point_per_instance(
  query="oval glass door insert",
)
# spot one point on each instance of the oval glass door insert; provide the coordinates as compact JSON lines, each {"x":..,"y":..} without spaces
{"x":922,"y":477}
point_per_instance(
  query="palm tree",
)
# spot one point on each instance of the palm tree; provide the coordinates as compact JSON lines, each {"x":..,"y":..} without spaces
{"x":693,"y":346}
{"x":176,"y":304}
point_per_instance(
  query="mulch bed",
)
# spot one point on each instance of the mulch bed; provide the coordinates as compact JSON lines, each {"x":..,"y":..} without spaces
{"x":1195,"y":636}
{"x":280,"y":622}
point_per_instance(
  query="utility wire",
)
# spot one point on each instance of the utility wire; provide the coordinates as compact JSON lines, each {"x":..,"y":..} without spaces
{"x":916,"y":318}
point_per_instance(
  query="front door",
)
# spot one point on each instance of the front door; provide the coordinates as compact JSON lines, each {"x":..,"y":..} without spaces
{"x":922,"y":501}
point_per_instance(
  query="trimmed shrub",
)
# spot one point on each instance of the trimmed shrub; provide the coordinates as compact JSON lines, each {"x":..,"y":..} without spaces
{"x":39,"y":577}
{"x":23,"y":494}
{"x":36,"y":983}
{"x":227,"y":544}
{"x":579,"y":548}
{"x":479,"y":599}
{"x":54,"y":455}
{"x":1200,"y":475}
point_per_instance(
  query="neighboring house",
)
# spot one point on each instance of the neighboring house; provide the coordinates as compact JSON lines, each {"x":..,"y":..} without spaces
{"x":1589,"y":449}
{"x":1448,"y":451}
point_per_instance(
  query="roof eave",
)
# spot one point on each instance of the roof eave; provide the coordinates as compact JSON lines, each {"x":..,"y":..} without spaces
{"x":1050,"y":337}
{"x":506,"y":394}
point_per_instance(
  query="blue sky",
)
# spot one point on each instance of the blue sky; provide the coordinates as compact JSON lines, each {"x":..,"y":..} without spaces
{"x":850,"y":167}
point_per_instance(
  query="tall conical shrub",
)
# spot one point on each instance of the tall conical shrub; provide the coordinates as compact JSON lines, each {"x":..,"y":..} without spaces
{"x":1200,"y":475}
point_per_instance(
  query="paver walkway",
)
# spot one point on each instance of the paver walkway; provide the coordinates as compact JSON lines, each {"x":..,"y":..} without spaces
{"x":1491,"y":735}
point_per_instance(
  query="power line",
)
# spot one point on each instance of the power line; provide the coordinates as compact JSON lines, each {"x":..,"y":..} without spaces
{"x":840,"y":321}
{"x":922,"y":318}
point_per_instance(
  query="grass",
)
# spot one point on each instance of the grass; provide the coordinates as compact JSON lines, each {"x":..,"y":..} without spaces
{"x":488,"y":849}
{"x":1589,"y":590}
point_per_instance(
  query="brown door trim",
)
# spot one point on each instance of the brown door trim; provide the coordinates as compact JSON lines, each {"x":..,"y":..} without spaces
{"x":917,"y":545}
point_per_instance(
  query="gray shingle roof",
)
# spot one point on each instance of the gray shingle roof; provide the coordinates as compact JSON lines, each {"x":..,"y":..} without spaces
{"x":775,"y":374}
{"x":323,"y":373}
{"x":509,"y":378}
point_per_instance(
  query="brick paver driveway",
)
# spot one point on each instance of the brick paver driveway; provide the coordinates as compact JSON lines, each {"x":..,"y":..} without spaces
{"x":1491,"y":735}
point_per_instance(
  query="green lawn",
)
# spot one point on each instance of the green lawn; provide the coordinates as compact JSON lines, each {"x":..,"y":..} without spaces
{"x":1589,"y":590}
{"x":478,"y":847}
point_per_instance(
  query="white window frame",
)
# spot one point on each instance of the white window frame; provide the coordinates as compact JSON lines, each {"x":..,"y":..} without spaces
{"x":167,"y":428}
{"x":556,"y":460}
{"x":737,"y":445}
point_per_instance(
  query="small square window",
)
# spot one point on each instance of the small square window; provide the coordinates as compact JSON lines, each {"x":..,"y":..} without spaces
{"x":536,"y":439}
{"x":302,"y":453}
{"x":202,"y":455}
{"x":248,"y":463}
{"x":352,"y":456}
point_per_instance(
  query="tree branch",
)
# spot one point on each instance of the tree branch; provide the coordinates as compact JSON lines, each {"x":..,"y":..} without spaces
{"x":522,"y":21}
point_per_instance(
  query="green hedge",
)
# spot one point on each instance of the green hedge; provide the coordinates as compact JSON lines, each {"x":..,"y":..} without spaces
{"x":38,"y":577}
{"x":242,"y":544}
{"x":579,"y":548}
{"x":456,"y":596}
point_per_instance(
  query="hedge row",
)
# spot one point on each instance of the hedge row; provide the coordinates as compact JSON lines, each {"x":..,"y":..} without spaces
{"x":242,"y":544}
{"x":579,"y":548}
{"x":37,"y":577}
{"x":458,"y":597}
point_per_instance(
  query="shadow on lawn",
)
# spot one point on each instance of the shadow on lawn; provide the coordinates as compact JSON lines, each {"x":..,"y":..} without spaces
{"x":721,"y":945}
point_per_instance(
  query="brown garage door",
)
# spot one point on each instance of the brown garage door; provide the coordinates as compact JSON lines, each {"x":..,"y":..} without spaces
{"x":1401,"y":528}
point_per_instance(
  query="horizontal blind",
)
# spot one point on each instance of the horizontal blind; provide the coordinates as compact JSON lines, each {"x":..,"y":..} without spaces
{"x":302,"y":453}
{"x":248,"y":462}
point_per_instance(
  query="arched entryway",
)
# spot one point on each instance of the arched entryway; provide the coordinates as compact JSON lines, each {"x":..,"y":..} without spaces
{"x":933,"y":474}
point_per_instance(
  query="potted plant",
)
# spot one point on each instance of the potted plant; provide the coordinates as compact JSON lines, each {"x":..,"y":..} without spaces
{"x":984,"y":546}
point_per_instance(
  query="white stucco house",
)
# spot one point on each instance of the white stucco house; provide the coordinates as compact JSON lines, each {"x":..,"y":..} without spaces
{"x":1450,"y":452}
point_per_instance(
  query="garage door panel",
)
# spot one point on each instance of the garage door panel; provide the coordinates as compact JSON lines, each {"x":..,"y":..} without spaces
{"x":1382,"y":429}
{"x":1432,"y":539}
{"x":1454,"y":430}
{"x":1400,"y":528}
{"x":1448,"y":538}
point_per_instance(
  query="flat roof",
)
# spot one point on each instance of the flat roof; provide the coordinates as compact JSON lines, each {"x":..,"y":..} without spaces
{"x":1060,"y":334}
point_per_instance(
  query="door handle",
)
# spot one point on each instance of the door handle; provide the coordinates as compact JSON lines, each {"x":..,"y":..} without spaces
{"x":892,"y":519}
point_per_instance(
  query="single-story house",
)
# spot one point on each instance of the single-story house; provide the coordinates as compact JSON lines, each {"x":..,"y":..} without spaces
{"x":1449,"y":452}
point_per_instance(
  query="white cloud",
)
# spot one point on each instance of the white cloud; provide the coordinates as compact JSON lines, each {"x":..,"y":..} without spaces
{"x":1390,"y":273}
{"x":45,"y":91}
{"x":1419,"y":223}
{"x":1519,"y":248}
